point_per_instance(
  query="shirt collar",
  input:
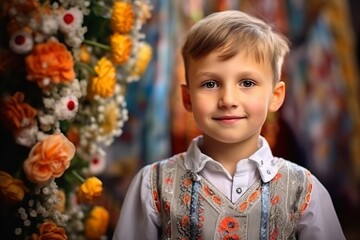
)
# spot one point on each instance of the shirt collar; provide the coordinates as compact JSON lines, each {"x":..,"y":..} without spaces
{"x":263,"y":158}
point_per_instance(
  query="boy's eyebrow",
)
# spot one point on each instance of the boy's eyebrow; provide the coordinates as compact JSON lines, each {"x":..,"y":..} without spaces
{"x":205,"y":74}
{"x":242,"y":74}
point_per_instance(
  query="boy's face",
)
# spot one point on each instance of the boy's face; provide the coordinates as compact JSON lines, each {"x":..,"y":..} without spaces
{"x":230,"y":99}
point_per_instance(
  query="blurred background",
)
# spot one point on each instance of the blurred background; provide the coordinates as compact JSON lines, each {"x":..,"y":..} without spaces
{"x":318,"y":127}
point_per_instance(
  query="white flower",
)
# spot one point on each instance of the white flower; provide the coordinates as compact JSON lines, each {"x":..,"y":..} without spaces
{"x":27,"y":136}
{"x":49,"y":25}
{"x":71,"y":20}
{"x":66,"y":107}
{"x":97,"y":161}
{"x":21,"y":42}
{"x":18,"y":231}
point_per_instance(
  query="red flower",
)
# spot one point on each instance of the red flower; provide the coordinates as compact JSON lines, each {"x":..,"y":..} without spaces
{"x":228,"y":224}
{"x":231,"y":237}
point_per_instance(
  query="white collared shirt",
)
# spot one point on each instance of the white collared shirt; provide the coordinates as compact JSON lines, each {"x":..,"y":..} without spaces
{"x":139,"y":219}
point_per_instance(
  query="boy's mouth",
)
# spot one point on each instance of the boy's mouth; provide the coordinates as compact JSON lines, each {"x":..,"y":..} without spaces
{"x":228,"y":118}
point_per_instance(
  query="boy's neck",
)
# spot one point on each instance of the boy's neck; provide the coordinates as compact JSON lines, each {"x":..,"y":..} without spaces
{"x":229,"y":154}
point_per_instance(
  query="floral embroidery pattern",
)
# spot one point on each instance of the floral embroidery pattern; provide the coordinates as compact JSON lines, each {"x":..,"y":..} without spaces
{"x":231,"y":237}
{"x":155,"y":190}
{"x":283,"y":217}
{"x":210,"y":194}
{"x":184,"y":222}
{"x":249,"y":201}
{"x":304,"y":206}
{"x":162,"y":188}
{"x":227,"y":228}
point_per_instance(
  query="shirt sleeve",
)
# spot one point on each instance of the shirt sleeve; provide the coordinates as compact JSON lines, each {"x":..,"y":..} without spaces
{"x":138,"y":218}
{"x":320,"y":220}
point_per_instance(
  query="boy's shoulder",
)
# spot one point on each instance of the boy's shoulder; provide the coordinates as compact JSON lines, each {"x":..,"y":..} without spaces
{"x":292,"y":165}
{"x":294,"y":170}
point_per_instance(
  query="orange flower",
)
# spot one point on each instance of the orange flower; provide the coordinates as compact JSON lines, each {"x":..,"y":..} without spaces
{"x":217,"y":200}
{"x":90,"y":189}
{"x":303,"y":207}
{"x":277,"y":177}
{"x":243,"y":206}
{"x":120,"y":47}
{"x":11,"y":189}
{"x":208,"y":191}
{"x":97,"y":222}
{"x":49,"y":158}
{"x":275,"y":200}
{"x":228,"y":224}
{"x":122,"y":18}
{"x":50,"y":231}
{"x":187,"y":199}
{"x":16,"y":114}
{"x":254,"y":195}
{"x":50,"y":62}
{"x":187,"y":182}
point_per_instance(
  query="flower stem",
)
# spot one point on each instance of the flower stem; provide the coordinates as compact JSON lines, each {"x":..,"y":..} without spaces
{"x":80,"y":178}
{"x":85,"y":66}
{"x":97,"y":44}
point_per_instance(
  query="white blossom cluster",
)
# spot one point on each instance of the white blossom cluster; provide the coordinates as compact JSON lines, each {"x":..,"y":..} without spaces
{"x":44,"y":203}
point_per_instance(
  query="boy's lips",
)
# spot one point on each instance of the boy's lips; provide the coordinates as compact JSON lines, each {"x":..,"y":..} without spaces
{"x":228,"y":118}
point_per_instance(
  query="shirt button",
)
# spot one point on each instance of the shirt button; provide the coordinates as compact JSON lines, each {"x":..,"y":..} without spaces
{"x":238,"y":190}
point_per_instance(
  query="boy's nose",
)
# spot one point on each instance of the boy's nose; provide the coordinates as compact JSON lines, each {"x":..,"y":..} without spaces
{"x":228,"y":98}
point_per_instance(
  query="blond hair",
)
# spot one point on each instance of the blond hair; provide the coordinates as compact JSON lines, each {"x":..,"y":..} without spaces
{"x":230,"y":32}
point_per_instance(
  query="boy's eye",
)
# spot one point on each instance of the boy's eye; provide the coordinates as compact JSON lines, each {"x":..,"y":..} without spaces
{"x":247,"y":83}
{"x":209,"y":84}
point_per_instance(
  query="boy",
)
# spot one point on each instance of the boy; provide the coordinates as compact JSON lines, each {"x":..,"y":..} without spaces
{"x":228,"y":185}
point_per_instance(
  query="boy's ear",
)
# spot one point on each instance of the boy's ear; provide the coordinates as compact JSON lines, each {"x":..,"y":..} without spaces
{"x":278,"y":96}
{"x":186,"y":97}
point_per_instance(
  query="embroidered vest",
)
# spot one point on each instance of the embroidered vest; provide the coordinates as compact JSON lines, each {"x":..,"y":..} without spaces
{"x":193,"y":208}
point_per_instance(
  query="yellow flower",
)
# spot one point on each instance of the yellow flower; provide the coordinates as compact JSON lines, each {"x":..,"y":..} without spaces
{"x":143,"y":59}
{"x":85,"y":54}
{"x":11,"y":189}
{"x":120,"y":47}
{"x":97,"y":223}
{"x":90,"y":189}
{"x":104,"y":83}
{"x":122,"y":18}
{"x":111,"y":115}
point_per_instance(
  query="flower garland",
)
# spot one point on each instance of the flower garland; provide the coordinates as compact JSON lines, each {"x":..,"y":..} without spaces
{"x":64,"y":67}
